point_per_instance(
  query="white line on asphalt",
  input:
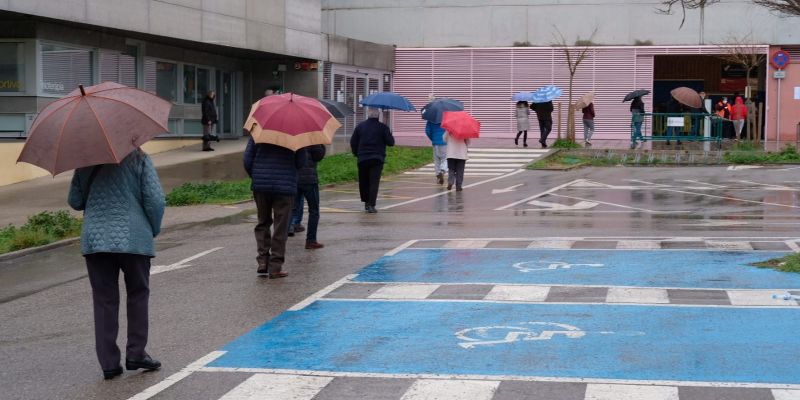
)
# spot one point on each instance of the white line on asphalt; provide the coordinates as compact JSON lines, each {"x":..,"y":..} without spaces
{"x":792,"y":243}
{"x":438,"y":389}
{"x":400,"y":248}
{"x":617,"y":249}
{"x":178,"y":376}
{"x":728,"y":198}
{"x":606,"y":238}
{"x":781,"y":187}
{"x":519,"y":151}
{"x":778,"y":291}
{"x":282,"y":387}
{"x":630,"y":392}
{"x":536,"y":196}
{"x":609,"y":204}
{"x":788,"y":304}
{"x":503,"y":378}
{"x":444,"y":193}
{"x":322,"y":293}
{"x":703,"y":183}
{"x":182,"y":263}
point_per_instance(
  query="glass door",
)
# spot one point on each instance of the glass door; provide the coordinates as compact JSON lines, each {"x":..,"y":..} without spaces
{"x":225,"y":101}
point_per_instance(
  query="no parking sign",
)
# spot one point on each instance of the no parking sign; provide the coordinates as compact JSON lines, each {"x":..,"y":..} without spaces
{"x":780,"y":59}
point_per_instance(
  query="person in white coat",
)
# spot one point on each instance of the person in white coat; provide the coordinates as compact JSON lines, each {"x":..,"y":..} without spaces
{"x":523,"y":123}
{"x":457,"y":157}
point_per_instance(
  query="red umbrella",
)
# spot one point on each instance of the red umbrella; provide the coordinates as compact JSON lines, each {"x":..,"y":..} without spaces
{"x":95,"y":125}
{"x":291,"y":121}
{"x":461,"y":125}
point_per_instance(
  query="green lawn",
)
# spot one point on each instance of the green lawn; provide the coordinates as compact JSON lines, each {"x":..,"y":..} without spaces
{"x":338,"y":168}
{"x":41,"y":229}
{"x":744,"y":155}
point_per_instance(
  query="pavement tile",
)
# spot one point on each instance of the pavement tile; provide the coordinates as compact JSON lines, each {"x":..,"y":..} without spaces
{"x":674,"y":244}
{"x":594,"y":244}
{"x":429,"y":244}
{"x":404,"y":291}
{"x":440,"y":389}
{"x":785,"y":394}
{"x":278,"y":387}
{"x":712,"y":393}
{"x":700,"y":297}
{"x":568,"y":294}
{"x":639,"y":244}
{"x":728,"y":245}
{"x":466,"y":244}
{"x":364,"y":388}
{"x":518,"y":293}
{"x":354,"y":291}
{"x":772,"y":246}
{"x":203,"y":386}
{"x":758,"y":298}
{"x":520,"y":390}
{"x":630,"y":392}
{"x":637,"y":295}
{"x":507,"y":244}
{"x":551,"y":244}
{"x":461,"y":292}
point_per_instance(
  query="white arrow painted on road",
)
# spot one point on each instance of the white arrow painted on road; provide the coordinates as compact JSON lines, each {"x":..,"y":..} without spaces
{"x":182,"y":263}
{"x":547,"y":206}
{"x":507,"y":190}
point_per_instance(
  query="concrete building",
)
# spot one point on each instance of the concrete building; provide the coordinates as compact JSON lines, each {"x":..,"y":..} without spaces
{"x":179,"y":50}
{"x":484,"y":51}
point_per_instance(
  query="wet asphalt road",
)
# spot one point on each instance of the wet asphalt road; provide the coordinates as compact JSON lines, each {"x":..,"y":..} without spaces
{"x":46,"y":337}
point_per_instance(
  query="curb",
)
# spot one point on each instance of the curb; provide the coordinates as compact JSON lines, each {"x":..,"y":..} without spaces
{"x":31,"y":250}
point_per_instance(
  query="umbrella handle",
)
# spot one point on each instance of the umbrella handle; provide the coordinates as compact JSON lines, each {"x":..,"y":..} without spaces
{"x":83,"y":92}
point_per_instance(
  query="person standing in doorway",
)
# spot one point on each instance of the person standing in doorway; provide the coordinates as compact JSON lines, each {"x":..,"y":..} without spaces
{"x":739,"y":116}
{"x":273,"y":170}
{"x":435,"y":133}
{"x":123,"y":205}
{"x":544,"y":113}
{"x":209,"y":119}
{"x":308,"y":190}
{"x":637,"y":116}
{"x":588,"y":123}
{"x":368,"y":144}
{"x":523,"y":123}
{"x":457,"y":157}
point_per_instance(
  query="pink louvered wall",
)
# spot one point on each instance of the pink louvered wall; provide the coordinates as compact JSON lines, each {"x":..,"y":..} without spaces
{"x":486,"y":78}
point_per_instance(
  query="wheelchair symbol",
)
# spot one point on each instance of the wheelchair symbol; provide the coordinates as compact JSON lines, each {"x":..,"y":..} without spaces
{"x":529,"y":266}
{"x":526,"y":331}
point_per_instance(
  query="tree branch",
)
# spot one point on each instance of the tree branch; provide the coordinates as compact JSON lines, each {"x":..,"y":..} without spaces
{"x":788,"y":7}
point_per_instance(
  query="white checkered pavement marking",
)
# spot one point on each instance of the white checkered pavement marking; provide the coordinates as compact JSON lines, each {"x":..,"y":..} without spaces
{"x":758,"y":298}
{"x":719,"y":245}
{"x":490,"y":162}
{"x":783,"y":394}
{"x":404,"y":292}
{"x":466,"y":244}
{"x":639,"y":245}
{"x":630,"y":392}
{"x":436,"y":389}
{"x":518,"y":293}
{"x":278,"y":387}
{"x":637,"y":295}
{"x":551,"y":244}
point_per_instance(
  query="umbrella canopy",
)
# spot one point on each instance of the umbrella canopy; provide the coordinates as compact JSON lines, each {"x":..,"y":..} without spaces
{"x":388,"y":101}
{"x":461,"y":125}
{"x":687,"y":96}
{"x":337,"y":108}
{"x":433,"y":111}
{"x":636,"y":93}
{"x":291,"y":121}
{"x":523,"y":96}
{"x":585,"y":100}
{"x":545,"y":94}
{"x":96,"y":125}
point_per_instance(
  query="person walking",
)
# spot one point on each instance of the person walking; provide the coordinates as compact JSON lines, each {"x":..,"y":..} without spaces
{"x":738,"y":115}
{"x":273,"y":170}
{"x":588,"y":123}
{"x":435,"y":134}
{"x":637,"y":116}
{"x":368,"y":144}
{"x":544,"y":113}
{"x":457,"y":156}
{"x":209,"y":119}
{"x":123,"y":205}
{"x":308,"y":189}
{"x":523,"y":122}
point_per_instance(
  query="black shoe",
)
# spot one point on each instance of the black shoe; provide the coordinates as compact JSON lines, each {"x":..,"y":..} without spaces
{"x":372,"y":210}
{"x":147,"y":363}
{"x":215,"y":137}
{"x":291,"y":234}
{"x":299,"y":228}
{"x":450,"y":186}
{"x":112,"y":373}
{"x":366,"y":207}
{"x":458,"y":189}
{"x":524,"y":145}
{"x":516,"y":142}
{"x":262,"y":270}
{"x":440,"y":178}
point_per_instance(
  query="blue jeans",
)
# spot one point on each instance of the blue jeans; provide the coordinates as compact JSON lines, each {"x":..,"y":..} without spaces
{"x":637,"y":129}
{"x":311,"y":195}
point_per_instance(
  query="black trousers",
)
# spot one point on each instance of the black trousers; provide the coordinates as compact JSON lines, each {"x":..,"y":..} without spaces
{"x":455,"y":174}
{"x":369,"y":178}
{"x":544,"y":129}
{"x":272,"y":210}
{"x":104,"y":277}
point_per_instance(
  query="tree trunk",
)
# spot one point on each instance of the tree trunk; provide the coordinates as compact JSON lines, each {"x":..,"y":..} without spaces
{"x":570,"y":113}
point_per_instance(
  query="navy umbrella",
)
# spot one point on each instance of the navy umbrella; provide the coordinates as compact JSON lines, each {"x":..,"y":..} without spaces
{"x":388,"y":101}
{"x":433,"y":111}
{"x":337,"y":108}
{"x":636,"y":93}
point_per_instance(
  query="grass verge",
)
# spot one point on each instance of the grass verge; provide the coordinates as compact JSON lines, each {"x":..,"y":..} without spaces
{"x":788,"y":263}
{"x":749,"y":155}
{"x":337,"y":168}
{"x":41,"y":229}
{"x":568,"y":160}
{"x":565,"y":144}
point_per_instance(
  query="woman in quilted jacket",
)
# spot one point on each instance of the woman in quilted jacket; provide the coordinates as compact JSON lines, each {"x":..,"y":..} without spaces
{"x":122,"y":206}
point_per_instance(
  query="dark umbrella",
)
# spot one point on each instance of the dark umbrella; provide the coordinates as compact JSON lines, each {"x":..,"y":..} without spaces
{"x":433,"y":111}
{"x":636,"y":93}
{"x":388,"y":101}
{"x":337,"y":108}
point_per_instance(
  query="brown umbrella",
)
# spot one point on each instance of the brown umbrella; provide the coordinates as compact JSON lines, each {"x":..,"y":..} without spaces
{"x":584,"y":101}
{"x":687,"y":96}
{"x":95,"y":125}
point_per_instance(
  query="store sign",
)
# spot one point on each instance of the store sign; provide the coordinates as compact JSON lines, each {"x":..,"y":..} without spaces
{"x":11,"y":84}
{"x":53,"y":86}
{"x":675,"y":121}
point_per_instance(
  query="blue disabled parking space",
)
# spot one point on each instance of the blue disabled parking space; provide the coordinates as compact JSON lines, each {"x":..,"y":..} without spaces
{"x":641,"y":268}
{"x":631,"y":342}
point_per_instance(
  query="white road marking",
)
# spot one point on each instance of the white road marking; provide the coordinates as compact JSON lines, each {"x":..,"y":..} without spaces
{"x":548,"y":206}
{"x":534,"y":294}
{"x":637,"y":295}
{"x":792,"y":243}
{"x":607,"y":203}
{"x":278,"y":387}
{"x":518,"y":151}
{"x":182,"y":263}
{"x":552,"y":244}
{"x":178,"y":376}
{"x":742,"y":167}
{"x":444,"y":193}
{"x":757,"y":298}
{"x":404,"y":292}
{"x":466,"y":244}
{"x":536,"y":196}
{"x":630,"y":392}
{"x":725,"y":245}
{"x":400,"y":248}
{"x":438,"y":389}
{"x":508,"y":189}
{"x":638,"y":245}
{"x":778,"y":187}
{"x":782,"y":394}
{"x":729,"y":198}
{"x":322,"y":293}
{"x":703,"y":183}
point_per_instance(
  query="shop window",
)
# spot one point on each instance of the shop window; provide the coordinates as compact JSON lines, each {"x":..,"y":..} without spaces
{"x":203,"y":84}
{"x":192,"y":127}
{"x":161,"y":78}
{"x":189,"y":84}
{"x":64,"y":68}
{"x":12,"y":67}
{"x":119,"y":67}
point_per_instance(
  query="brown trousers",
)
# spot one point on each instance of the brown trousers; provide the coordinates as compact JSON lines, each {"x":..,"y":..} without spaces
{"x":273,"y":211}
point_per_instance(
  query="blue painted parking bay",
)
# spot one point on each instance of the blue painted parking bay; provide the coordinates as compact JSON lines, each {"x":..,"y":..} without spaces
{"x":642,"y":268}
{"x":631,"y":342}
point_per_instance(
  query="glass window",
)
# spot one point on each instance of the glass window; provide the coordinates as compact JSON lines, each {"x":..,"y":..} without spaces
{"x":203,"y":84}
{"x":118,"y":67}
{"x":64,"y":68}
{"x":192,"y":127}
{"x":12,"y":67}
{"x":166,"y":80}
{"x":189,"y":84}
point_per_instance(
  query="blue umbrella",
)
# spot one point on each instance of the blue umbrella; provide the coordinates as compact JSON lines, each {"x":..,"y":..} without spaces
{"x":388,"y":101}
{"x":545,"y":94}
{"x":523,"y":96}
{"x":433,"y":111}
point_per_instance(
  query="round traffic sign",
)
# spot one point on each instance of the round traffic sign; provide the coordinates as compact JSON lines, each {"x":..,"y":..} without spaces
{"x":780,"y":59}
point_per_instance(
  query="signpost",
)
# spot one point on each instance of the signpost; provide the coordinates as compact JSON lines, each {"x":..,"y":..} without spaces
{"x":779,"y":60}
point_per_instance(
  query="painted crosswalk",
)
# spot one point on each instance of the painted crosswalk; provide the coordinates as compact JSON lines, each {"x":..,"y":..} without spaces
{"x":491,"y":162}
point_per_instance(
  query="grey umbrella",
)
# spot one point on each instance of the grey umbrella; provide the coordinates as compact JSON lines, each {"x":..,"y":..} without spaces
{"x":337,"y":108}
{"x":636,"y":93}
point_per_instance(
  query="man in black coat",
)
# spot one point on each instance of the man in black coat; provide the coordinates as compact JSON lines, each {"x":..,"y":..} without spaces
{"x":544,"y":113}
{"x":368,"y":144}
{"x":209,"y":119}
{"x":308,"y":189}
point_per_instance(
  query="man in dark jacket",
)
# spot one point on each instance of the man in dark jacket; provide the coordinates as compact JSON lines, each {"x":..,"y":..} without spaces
{"x":209,"y":119}
{"x":544,"y":113}
{"x":274,"y":173}
{"x":308,"y":189}
{"x":368,"y":143}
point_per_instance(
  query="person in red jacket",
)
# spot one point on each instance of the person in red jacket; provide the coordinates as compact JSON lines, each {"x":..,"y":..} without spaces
{"x":739,"y":116}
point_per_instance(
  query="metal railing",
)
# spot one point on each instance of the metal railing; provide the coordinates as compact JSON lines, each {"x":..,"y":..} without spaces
{"x":665,"y":127}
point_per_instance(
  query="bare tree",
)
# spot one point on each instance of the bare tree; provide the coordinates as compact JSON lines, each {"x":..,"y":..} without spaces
{"x":743,"y":51}
{"x":667,"y":7}
{"x":575,"y":56}
{"x":789,"y":7}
